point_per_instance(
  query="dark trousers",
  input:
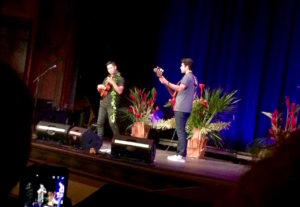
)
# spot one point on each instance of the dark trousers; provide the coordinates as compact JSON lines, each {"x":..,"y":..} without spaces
{"x":181,"y":119}
{"x":104,"y":113}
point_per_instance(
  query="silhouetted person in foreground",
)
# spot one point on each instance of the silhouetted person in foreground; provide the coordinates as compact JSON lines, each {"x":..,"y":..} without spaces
{"x":16,"y":115}
{"x":273,"y":181}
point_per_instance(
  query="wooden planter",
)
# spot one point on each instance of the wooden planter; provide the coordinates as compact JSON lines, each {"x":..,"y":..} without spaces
{"x":196,"y":146}
{"x":140,"y":129}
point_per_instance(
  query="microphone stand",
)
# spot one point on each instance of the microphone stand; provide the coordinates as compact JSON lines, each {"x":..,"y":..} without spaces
{"x":37,"y":81}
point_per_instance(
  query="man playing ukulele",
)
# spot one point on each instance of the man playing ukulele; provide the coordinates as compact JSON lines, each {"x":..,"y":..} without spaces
{"x":110,"y":91}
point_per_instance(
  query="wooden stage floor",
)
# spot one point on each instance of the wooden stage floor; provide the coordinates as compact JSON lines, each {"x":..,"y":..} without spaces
{"x":199,"y":180}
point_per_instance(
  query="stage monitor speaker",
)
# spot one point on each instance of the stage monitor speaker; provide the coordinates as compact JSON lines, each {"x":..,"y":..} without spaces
{"x":84,"y":138}
{"x":52,"y":131}
{"x":133,"y":148}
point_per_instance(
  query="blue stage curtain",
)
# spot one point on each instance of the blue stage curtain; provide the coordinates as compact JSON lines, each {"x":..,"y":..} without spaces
{"x":252,"y":46}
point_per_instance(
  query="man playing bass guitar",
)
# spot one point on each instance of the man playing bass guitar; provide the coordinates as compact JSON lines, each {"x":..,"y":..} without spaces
{"x":183,"y":105}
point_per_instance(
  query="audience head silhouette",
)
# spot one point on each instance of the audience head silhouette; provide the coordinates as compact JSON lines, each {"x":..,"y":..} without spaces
{"x":273,"y":181}
{"x":16,"y":115}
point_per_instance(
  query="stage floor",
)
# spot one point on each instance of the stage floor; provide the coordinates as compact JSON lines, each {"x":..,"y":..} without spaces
{"x":199,"y":180}
{"x":207,"y":167}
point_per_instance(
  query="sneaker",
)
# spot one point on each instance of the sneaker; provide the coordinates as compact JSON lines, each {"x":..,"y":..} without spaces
{"x":176,"y":158}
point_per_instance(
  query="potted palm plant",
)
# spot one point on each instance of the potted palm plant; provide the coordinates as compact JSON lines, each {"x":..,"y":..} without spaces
{"x":207,"y":119}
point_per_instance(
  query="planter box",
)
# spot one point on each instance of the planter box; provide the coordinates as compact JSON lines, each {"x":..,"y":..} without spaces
{"x":140,"y":129}
{"x":196,"y":146}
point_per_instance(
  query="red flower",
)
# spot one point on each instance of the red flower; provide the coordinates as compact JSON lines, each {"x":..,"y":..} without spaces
{"x":274,"y":122}
{"x":154,"y":94}
{"x":287,"y":103}
{"x":293,"y":123}
{"x":293,"y":108}
{"x":201,"y":86}
{"x":271,"y":132}
{"x":204,"y":103}
{"x":132,"y":97}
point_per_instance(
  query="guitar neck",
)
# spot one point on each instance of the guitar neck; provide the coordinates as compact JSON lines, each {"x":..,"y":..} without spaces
{"x":158,"y":71}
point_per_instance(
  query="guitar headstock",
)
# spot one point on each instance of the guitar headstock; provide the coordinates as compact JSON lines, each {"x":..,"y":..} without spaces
{"x":159,"y":71}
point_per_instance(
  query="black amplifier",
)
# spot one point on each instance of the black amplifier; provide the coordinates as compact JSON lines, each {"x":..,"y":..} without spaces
{"x":133,"y":148}
{"x":52,"y":131}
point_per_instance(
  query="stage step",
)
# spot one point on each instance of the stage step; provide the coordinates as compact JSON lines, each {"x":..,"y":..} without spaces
{"x":230,"y":155}
{"x":167,"y":142}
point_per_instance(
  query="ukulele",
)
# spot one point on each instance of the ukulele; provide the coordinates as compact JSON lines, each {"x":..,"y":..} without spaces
{"x":104,"y":92}
{"x":159,"y":71}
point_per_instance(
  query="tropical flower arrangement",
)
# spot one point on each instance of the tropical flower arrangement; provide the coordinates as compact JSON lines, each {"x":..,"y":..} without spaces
{"x":207,"y":114}
{"x":141,"y":108}
{"x":280,"y":130}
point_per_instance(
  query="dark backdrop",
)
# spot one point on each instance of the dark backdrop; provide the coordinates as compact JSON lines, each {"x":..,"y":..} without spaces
{"x":249,"y":45}
{"x":124,"y":31}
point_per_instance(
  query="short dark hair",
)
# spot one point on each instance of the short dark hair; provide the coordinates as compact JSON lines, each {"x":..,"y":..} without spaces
{"x":188,"y":62}
{"x":111,"y":62}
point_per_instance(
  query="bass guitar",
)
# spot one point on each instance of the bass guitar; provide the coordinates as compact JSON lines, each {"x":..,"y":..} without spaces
{"x":159,"y":71}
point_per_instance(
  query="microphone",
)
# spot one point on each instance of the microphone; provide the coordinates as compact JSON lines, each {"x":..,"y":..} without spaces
{"x":52,"y":67}
{"x":41,"y":75}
